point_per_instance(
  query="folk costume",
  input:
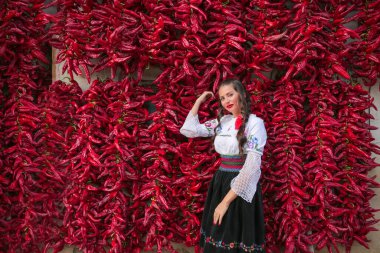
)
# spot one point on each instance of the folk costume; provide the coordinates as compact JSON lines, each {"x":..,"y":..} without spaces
{"x":242,"y":228}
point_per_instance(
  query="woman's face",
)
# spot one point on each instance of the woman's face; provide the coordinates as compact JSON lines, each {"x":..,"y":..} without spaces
{"x":229,"y":98}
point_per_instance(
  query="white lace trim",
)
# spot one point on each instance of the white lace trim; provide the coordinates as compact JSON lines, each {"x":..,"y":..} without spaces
{"x":245,"y":183}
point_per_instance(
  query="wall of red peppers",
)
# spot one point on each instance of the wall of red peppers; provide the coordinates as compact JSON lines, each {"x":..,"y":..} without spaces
{"x":98,"y":171}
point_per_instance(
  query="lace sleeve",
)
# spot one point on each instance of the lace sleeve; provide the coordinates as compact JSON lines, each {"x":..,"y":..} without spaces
{"x":192,"y":128}
{"x":245,"y":183}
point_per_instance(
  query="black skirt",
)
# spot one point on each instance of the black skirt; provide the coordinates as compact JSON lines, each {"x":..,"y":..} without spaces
{"x":242,"y":227}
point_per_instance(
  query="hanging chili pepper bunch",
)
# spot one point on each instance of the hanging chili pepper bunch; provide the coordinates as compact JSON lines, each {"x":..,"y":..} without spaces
{"x":366,"y":60}
{"x":266,"y":34}
{"x":57,"y":108}
{"x":4,"y":175}
{"x":22,"y":42}
{"x":94,"y":36}
{"x":353,"y":152}
{"x":70,"y":33}
{"x":86,"y":193}
{"x":182,"y":50}
{"x":122,"y":170}
{"x":4,"y":181}
{"x":187,"y":44}
{"x":24,"y":71}
{"x":283,"y":180}
{"x":321,"y":132}
{"x":116,"y":29}
{"x":157,"y":26}
{"x":226,"y":36}
{"x":159,"y":158}
{"x":258,"y":20}
{"x":22,"y":219}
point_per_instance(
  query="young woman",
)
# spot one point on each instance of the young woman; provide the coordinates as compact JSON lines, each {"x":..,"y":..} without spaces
{"x":233,"y":219}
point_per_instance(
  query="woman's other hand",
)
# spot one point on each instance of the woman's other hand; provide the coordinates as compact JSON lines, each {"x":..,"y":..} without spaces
{"x":219,"y":212}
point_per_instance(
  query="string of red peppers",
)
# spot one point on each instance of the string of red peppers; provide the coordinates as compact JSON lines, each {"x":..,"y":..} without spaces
{"x":353,"y":153}
{"x":53,"y":160}
{"x":158,"y":151}
{"x":3,"y":174}
{"x":23,"y":190}
{"x":366,"y":60}
{"x":25,"y":216}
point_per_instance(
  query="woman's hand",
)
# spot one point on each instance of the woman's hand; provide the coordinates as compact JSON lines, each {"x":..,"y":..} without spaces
{"x":222,"y":208}
{"x":219,"y":212}
{"x":205,"y":95}
{"x":200,"y":100}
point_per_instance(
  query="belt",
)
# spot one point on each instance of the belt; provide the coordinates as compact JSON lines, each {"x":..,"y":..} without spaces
{"x":232,"y":163}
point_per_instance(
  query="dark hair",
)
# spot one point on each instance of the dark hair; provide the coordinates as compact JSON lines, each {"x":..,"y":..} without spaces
{"x":245,"y":103}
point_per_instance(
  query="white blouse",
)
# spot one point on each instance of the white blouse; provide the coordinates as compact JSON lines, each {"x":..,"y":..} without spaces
{"x":245,"y":183}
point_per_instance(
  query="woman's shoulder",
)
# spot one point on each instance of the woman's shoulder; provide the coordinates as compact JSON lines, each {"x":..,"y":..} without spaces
{"x":253,"y":119}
